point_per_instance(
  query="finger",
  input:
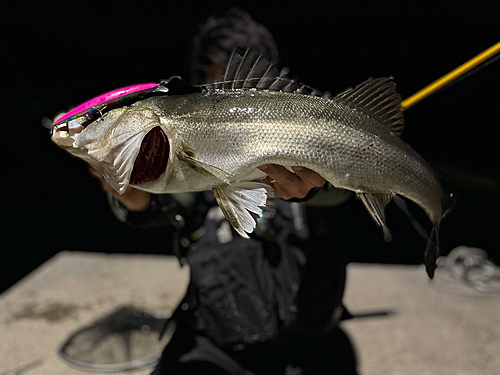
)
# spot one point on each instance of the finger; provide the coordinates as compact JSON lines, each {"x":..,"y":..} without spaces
{"x":105,"y":186}
{"x":279,"y":191}
{"x":309,"y":176}
{"x":108,"y":188}
{"x":289,"y":185}
{"x":280,"y":174}
{"x":94,"y":172}
{"x":268,"y":181}
{"x":286,"y":184}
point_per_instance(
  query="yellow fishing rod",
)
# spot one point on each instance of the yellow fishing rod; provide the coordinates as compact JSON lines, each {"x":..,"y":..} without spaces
{"x":451,"y":76}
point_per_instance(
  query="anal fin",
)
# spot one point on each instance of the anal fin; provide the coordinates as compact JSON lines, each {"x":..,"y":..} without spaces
{"x":375,"y":204}
{"x":242,"y":203}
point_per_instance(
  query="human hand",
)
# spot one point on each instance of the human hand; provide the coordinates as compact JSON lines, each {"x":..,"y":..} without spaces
{"x":288,"y":185}
{"x":133,"y":199}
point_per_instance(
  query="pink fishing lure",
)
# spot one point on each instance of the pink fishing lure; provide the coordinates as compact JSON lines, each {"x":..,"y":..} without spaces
{"x":109,"y":98}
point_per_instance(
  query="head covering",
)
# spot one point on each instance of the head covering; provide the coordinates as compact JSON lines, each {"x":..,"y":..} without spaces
{"x":220,"y":35}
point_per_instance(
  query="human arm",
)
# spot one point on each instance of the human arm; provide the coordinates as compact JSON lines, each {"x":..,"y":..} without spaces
{"x":140,"y":208}
{"x":132,"y":199}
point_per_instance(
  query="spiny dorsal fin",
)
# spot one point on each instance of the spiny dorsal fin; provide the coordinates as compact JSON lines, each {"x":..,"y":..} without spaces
{"x":379,"y":98}
{"x":252,"y":71}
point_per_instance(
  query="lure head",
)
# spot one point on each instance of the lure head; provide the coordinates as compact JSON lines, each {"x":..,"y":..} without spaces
{"x":117,"y":133}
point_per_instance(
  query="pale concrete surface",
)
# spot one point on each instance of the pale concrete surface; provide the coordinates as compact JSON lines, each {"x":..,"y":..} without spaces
{"x":71,"y":290}
{"x":433,"y":333}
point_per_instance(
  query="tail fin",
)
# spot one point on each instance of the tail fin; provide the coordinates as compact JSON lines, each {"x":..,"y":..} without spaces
{"x":432,"y":249}
{"x":431,"y":252}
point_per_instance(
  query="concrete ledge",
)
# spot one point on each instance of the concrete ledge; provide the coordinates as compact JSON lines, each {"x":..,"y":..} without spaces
{"x":73,"y":289}
{"x":434,"y":332}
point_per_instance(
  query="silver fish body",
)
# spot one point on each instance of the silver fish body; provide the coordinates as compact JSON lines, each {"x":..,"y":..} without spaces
{"x":238,"y":131}
{"x":218,"y":138}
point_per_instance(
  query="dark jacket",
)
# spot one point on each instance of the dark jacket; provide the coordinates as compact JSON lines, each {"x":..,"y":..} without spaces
{"x":276,"y":296}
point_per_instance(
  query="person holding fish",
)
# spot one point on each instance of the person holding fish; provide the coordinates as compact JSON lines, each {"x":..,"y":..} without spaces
{"x":278,"y":326}
{"x":262,"y":299}
{"x":286,"y":185}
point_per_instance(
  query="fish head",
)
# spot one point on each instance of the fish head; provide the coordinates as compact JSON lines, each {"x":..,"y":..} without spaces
{"x":128,"y":144}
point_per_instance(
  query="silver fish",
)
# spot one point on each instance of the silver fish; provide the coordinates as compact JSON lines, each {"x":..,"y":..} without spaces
{"x":215,"y":139}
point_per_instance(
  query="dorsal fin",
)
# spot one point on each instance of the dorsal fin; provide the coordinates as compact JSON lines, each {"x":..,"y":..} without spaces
{"x":252,"y":71}
{"x":379,"y":98}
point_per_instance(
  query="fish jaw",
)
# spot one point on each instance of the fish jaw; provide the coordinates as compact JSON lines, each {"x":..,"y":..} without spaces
{"x":110,"y":144}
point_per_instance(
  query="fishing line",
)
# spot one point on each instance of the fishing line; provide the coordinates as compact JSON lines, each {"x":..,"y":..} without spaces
{"x":453,"y":75}
{"x":413,"y":221}
{"x":468,"y":74}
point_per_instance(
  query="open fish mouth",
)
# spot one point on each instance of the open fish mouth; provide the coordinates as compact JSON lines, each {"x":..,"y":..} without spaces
{"x":66,"y":133}
{"x":149,"y":164}
{"x":152,"y":160}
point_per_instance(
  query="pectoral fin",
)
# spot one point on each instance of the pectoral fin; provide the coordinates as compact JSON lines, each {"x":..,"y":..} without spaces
{"x":205,"y":168}
{"x":242,"y":204}
{"x":375,"y":204}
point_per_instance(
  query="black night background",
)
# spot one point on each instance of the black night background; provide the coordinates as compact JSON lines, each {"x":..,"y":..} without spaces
{"x":57,"y":56}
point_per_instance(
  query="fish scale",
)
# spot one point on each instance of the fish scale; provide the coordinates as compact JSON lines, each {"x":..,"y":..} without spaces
{"x":218,"y":138}
{"x":293,"y":130}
